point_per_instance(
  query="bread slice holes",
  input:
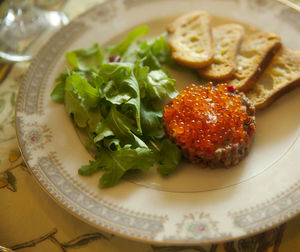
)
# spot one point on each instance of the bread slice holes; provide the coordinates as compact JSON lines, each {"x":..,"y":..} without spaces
{"x":199,"y":51}
{"x":183,"y":25}
{"x":249,"y":54}
{"x":280,"y":70}
{"x":194,"y":39}
{"x":267,"y":82}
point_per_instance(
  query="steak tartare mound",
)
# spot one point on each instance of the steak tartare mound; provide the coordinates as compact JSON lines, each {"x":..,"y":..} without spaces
{"x":213,"y":125}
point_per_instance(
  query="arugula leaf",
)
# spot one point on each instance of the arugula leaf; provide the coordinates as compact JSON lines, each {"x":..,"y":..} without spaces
{"x":121,"y":127}
{"x":121,"y":48}
{"x":159,"y":85}
{"x":94,"y":117}
{"x":121,"y":88}
{"x":156,"y":86}
{"x":86,"y":59}
{"x":154,"y":53}
{"x":92,"y":167}
{"x":141,"y":74}
{"x":151,"y":121}
{"x":111,"y":144}
{"x":58,"y":93}
{"x":169,"y":157}
{"x":74,"y":108}
{"x":79,"y":99}
{"x":87,"y":94}
{"x":117,"y":163}
{"x":102,"y":131}
{"x":82,"y":118}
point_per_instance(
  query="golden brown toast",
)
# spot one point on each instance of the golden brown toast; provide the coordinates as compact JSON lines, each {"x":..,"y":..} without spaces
{"x":227,"y":39}
{"x":256,"y":52}
{"x":282,"y":75}
{"x":191,"y":39}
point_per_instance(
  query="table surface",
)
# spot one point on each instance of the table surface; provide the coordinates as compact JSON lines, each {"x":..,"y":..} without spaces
{"x":32,"y":221}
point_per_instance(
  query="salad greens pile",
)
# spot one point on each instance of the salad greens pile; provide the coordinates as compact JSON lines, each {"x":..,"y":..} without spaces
{"x":117,"y":96}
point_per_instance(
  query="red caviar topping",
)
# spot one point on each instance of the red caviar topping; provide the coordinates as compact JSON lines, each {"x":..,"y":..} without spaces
{"x":202,"y":119}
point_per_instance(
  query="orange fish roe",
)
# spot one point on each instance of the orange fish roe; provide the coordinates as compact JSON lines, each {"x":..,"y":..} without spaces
{"x":212,"y":124}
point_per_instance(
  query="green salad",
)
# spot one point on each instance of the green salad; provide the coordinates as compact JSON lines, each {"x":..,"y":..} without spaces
{"x":116,"y":95}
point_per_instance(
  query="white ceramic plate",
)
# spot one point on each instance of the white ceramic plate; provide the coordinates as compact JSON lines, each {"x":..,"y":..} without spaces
{"x":193,"y":205}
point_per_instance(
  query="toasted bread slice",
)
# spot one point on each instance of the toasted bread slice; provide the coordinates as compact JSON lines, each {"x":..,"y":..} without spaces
{"x":256,"y":52}
{"x":227,"y":39}
{"x":191,"y":40}
{"x":282,"y":75}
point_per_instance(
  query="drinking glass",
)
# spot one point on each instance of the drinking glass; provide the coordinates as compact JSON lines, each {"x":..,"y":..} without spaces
{"x":25,"y":28}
